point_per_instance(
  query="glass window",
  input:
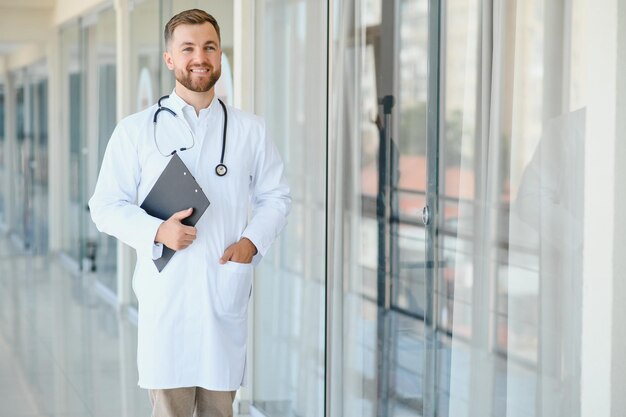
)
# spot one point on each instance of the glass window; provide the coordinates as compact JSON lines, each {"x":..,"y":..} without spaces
{"x":477,"y":309}
{"x":2,"y":155}
{"x":22,"y":155}
{"x":382,"y":98}
{"x":2,"y":131}
{"x":104,"y":247}
{"x":29,"y":182}
{"x":147,"y":67}
{"x":146,"y":54}
{"x":290,"y":91}
{"x":39,"y":160}
{"x":72,"y":93}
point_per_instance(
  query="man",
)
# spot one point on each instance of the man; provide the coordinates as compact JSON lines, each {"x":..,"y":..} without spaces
{"x":193,"y":315}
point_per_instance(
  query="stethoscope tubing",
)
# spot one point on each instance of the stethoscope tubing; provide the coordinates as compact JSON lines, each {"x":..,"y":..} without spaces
{"x":221,"y":168}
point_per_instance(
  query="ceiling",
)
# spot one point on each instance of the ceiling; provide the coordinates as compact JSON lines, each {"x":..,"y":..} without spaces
{"x":24,"y":22}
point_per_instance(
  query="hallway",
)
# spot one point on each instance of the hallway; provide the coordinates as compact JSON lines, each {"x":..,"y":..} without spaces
{"x":64,"y":352}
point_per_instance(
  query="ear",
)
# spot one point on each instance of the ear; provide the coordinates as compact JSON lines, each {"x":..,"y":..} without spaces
{"x":167,"y":57}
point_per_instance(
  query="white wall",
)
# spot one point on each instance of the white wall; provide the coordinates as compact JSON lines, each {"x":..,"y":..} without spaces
{"x":27,"y":55}
{"x":618,"y":363}
{"x":599,"y":223}
{"x":66,"y":10}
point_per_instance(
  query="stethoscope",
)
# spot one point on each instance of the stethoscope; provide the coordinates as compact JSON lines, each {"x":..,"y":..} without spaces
{"x":220,"y":169}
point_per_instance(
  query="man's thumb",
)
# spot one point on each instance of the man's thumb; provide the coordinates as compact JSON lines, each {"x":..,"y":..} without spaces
{"x":226,"y":256}
{"x":179,"y":215}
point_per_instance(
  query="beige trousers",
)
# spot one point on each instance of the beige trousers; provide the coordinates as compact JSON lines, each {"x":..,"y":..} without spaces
{"x":191,"y":402}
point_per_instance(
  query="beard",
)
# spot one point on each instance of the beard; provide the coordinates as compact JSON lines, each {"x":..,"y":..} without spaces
{"x":198,"y":84}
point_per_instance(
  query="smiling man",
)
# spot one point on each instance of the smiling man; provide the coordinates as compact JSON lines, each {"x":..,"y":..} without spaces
{"x":197,"y":76}
{"x":193,"y":314}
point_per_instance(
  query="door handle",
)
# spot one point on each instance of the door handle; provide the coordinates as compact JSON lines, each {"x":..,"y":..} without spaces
{"x":426,"y":215}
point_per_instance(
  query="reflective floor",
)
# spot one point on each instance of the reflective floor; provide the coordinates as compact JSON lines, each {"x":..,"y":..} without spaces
{"x":63,"y":351}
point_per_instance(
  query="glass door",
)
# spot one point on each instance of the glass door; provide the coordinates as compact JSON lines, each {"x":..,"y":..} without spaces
{"x":23,"y":174}
{"x":387,"y":57}
{"x":30,"y":179}
{"x":3,"y":192}
{"x":457,"y":203}
{"x":39,"y":158}
{"x":73,"y":99}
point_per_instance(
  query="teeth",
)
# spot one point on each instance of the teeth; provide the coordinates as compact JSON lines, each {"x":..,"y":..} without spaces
{"x":199,"y":70}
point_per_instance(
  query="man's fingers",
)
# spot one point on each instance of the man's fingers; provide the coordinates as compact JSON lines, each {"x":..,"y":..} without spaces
{"x":183,"y":243}
{"x":189,"y":230}
{"x":183,"y":214}
{"x":187,"y":239}
{"x":228,"y":253}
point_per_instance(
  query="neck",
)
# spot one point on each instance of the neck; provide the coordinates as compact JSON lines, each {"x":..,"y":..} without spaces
{"x":199,"y":101}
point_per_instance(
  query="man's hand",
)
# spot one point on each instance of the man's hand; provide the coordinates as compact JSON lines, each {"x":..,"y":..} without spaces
{"x":240,"y":252}
{"x":175,"y":235}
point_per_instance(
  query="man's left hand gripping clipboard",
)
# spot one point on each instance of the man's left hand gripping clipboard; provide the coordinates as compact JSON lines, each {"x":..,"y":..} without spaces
{"x":175,"y":190}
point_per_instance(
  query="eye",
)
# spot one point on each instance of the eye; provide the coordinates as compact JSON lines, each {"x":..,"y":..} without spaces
{"x":187,"y":50}
{"x":210,"y":48}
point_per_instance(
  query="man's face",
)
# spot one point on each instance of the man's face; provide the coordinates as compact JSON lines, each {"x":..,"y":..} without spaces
{"x":195,"y":56}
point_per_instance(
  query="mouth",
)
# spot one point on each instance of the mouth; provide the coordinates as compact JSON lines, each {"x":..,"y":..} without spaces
{"x":199,"y":70}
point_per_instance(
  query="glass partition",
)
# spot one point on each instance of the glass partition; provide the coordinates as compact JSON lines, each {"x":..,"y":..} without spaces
{"x":39,"y":161}
{"x":23,"y":149}
{"x":289,"y":286}
{"x":461,"y":167}
{"x":146,"y":64}
{"x":382,"y":332}
{"x":146,"y":54}
{"x":104,"y":43}
{"x":29,"y":179}
{"x":2,"y":155}
{"x":73,"y":100}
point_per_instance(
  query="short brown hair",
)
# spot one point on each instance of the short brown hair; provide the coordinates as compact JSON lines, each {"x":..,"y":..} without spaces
{"x":189,"y":17}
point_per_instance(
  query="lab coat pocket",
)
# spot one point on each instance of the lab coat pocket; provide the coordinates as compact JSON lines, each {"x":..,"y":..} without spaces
{"x":234,"y":286}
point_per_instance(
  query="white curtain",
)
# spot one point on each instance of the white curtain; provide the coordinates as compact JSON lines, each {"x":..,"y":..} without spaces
{"x":525,"y":344}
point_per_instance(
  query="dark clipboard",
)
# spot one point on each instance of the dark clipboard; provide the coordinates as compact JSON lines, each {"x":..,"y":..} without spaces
{"x":175,"y":190}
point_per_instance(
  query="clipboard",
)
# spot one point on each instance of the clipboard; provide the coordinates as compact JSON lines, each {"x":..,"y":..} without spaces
{"x":175,"y":190}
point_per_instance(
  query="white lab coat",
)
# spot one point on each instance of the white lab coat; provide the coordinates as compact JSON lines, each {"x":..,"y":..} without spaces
{"x":193,"y":315}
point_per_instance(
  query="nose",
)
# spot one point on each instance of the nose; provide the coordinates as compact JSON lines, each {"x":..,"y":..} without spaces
{"x":200,"y":55}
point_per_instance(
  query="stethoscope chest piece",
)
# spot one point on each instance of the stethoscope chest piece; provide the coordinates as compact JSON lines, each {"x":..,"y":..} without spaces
{"x":221,"y":170}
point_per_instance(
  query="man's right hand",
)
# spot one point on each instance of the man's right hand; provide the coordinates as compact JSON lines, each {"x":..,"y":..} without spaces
{"x":175,"y":235}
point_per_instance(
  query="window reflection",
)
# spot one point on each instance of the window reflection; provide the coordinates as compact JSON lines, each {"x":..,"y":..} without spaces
{"x":507,"y":178}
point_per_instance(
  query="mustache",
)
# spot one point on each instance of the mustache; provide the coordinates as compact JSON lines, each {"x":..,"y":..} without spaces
{"x":200,"y":67}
